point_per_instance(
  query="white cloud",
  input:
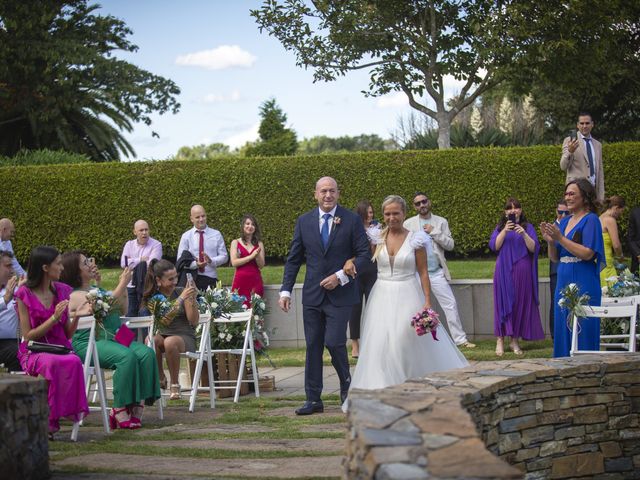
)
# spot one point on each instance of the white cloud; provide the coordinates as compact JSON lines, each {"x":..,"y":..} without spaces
{"x":392,"y":100}
{"x":219,"y":58}
{"x":234,"y":96}
{"x":240,"y":138}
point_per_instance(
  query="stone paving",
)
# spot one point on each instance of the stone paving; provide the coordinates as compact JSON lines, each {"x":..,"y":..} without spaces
{"x":187,"y":445}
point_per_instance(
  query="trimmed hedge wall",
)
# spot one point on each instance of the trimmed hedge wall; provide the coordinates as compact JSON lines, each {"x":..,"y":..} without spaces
{"x":93,"y":206}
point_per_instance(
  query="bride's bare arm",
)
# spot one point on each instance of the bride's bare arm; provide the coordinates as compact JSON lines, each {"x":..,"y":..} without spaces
{"x":421,"y":266}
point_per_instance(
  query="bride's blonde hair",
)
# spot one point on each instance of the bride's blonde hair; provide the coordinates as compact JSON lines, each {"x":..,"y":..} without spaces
{"x":390,"y":199}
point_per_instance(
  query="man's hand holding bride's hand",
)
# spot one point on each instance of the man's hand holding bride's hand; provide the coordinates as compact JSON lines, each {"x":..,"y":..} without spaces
{"x":330,"y":282}
{"x":350,"y":268}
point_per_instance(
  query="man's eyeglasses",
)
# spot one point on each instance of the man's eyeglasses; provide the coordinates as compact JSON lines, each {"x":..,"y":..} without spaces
{"x":563,"y":212}
{"x":421,"y":202}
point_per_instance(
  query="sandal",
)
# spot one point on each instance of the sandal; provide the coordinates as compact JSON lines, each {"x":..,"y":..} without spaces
{"x":499,"y":349}
{"x":119,"y":418}
{"x":175,"y":392}
{"x":163,"y":383}
{"x":136,"y":412}
{"x":516,"y":348}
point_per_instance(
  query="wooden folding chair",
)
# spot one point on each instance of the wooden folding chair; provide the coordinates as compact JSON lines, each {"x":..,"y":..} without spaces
{"x":89,"y":323}
{"x":614,"y":311}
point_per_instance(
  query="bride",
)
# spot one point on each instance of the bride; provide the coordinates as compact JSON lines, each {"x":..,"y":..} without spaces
{"x":391,"y":352}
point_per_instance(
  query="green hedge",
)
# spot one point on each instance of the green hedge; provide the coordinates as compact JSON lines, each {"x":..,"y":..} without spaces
{"x":93,"y":206}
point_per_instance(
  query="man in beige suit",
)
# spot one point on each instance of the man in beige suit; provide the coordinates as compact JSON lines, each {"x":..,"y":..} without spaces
{"x":582,"y":156}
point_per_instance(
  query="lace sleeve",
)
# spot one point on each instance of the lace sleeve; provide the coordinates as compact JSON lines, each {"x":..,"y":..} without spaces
{"x":420,"y":239}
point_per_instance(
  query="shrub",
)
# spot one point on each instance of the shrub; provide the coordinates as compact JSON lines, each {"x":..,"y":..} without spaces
{"x":43,"y":157}
{"x":94,"y":206}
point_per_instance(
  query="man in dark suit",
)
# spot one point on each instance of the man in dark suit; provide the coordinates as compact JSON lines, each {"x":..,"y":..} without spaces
{"x":633,"y":237}
{"x":326,"y":237}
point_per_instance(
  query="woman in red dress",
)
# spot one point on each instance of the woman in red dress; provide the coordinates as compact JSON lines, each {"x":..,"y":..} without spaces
{"x":247,"y":255}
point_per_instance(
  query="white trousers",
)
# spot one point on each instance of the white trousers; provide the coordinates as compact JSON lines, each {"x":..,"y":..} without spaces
{"x":441,"y":289}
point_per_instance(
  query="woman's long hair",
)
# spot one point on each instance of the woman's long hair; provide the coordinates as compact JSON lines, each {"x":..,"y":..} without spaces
{"x":362,"y":210}
{"x":588,"y":193}
{"x":614,"y":201}
{"x":390,"y":199}
{"x":71,"y":273}
{"x":40,"y":256}
{"x":257,"y":236}
{"x":512,"y":202}
{"x":157,"y":268}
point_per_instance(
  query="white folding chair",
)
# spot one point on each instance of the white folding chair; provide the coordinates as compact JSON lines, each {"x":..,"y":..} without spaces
{"x":247,"y":347}
{"x":89,"y":323}
{"x":139,"y":324}
{"x":616,"y":311}
{"x":201,"y":356}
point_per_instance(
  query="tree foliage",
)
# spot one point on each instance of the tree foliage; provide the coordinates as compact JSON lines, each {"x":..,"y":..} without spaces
{"x":345,"y":143}
{"x":61,"y":86}
{"x":275,"y":138}
{"x":407,"y":46}
{"x":202,"y":152}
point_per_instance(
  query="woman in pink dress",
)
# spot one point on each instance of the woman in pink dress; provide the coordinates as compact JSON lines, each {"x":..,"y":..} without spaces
{"x":42,"y":305}
{"x":247,"y":255}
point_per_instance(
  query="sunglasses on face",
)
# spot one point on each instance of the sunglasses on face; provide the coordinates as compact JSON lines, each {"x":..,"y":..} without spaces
{"x":421,"y":202}
{"x":563,"y":212}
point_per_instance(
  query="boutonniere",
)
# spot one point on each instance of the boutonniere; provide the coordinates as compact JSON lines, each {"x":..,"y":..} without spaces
{"x":337,"y":220}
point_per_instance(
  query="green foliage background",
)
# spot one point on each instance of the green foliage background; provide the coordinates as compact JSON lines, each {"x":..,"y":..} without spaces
{"x":93,"y":206}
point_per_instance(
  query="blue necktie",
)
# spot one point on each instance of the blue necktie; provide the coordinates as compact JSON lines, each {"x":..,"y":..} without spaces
{"x":324,"y":232}
{"x":587,"y":144}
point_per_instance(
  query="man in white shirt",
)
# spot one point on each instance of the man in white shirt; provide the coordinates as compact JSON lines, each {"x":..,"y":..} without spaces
{"x":7,"y":231}
{"x":439,"y":276}
{"x":207,"y":247}
{"x":141,"y":249}
{"x":8,"y":315}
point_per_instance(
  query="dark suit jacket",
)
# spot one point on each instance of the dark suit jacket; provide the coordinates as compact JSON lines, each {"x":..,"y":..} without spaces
{"x":346,"y":240}
{"x":633,"y":237}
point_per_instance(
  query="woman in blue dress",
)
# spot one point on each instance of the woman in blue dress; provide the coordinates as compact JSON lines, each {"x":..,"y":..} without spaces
{"x":578,"y":246}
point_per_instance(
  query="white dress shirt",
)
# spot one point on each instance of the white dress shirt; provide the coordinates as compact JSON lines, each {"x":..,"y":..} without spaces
{"x":8,"y":318}
{"x":589,"y":146}
{"x":214,"y":247}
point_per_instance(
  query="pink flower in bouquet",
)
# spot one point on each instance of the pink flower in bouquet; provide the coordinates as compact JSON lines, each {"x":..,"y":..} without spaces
{"x":426,"y":321}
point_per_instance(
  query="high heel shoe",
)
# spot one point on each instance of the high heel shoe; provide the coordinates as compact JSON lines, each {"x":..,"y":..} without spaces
{"x":516,"y":348}
{"x":136,"y":412}
{"x":175,"y":392}
{"x":119,"y":418}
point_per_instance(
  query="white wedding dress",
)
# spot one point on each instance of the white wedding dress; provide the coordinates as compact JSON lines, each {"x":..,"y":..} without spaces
{"x":390,"y":350}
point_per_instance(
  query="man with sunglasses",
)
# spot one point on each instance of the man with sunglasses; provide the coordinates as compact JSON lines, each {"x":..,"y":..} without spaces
{"x":439,"y":276}
{"x":561,"y":212}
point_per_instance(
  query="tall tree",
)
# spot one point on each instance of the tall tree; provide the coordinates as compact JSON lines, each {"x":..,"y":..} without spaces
{"x":407,"y":46}
{"x":275,"y":137}
{"x":62,"y":88}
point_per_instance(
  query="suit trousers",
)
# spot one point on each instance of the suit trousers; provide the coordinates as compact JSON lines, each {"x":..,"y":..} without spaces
{"x":441,"y":289}
{"x":9,"y":354}
{"x":325,"y":325}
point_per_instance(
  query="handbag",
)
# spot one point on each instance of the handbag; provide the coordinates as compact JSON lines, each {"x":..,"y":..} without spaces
{"x":124,"y":336}
{"x":40,"y":347}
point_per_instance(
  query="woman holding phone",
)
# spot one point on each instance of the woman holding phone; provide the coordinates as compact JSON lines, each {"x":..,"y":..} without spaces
{"x":177,"y":334}
{"x":247,"y":256}
{"x":135,"y":376}
{"x":515,"y":281}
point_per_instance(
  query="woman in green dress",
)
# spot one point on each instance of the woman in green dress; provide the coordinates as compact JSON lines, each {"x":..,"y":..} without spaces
{"x":135,"y":378}
{"x":613,"y":208}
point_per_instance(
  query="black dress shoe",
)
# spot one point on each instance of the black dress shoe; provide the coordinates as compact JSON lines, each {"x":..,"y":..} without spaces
{"x":310,"y":407}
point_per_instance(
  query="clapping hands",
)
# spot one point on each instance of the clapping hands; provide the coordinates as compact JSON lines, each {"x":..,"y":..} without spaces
{"x":550,"y":232}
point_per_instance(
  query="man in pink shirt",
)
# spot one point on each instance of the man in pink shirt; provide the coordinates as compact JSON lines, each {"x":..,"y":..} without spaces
{"x":141,"y":249}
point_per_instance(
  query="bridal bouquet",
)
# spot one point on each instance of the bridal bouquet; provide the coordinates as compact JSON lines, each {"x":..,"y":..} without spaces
{"x":101,"y":301}
{"x":426,"y":321}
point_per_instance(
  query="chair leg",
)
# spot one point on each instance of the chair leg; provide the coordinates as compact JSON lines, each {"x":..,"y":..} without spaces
{"x":195,"y":382}
{"x":212,"y":384}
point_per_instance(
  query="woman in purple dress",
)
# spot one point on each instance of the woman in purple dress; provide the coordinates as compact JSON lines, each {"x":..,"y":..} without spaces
{"x":515,"y":281}
{"x":42,"y":304}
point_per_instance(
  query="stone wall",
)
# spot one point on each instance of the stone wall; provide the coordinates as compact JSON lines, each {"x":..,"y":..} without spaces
{"x":24,"y":447}
{"x":539,"y":418}
{"x":474,"y":297}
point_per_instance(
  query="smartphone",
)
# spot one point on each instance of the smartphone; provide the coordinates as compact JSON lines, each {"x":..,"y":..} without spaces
{"x":91,"y":260}
{"x":512,"y":218}
{"x":126,"y":261}
{"x":573,"y":134}
{"x":189,"y":279}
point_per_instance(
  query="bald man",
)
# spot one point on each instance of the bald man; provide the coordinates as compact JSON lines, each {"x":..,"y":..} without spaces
{"x":207,"y":247}
{"x":7,"y":231}
{"x":141,"y":249}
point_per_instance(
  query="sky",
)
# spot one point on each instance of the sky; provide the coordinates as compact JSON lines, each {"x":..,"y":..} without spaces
{"x":226,"y":68}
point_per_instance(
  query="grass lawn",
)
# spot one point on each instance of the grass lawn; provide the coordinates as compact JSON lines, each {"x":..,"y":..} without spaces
{"x":272,"y":275}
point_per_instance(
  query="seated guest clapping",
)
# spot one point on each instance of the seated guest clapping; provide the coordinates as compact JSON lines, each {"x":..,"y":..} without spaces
{"x":176,"y":333}
{"x":135,"y":380}
{"x":42,"y":308}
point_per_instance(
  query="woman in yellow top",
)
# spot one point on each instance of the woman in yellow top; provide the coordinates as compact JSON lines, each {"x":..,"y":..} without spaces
{"x":614,"y":207}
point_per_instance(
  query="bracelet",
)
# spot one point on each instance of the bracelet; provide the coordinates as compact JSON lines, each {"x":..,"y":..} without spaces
{"x":181,"y":300}
{"x":55,"y":320}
